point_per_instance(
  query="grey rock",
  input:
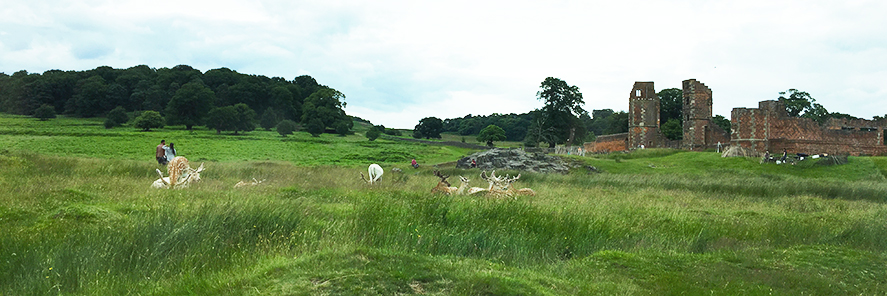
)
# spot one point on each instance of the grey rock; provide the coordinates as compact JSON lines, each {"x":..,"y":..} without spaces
{"x":514,"y":159}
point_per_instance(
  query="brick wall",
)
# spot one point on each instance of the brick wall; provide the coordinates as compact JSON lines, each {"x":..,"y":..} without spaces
{"x":769,"y":128}
{"x":700,"y":132}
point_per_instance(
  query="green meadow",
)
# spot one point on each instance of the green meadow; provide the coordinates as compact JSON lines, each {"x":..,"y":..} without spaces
{"x":78,"y":217}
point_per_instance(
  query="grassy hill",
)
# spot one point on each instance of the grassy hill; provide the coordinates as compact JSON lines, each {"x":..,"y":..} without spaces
{"x":78,"y":217}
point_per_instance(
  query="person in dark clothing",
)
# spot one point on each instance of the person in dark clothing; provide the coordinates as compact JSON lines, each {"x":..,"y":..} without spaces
{"x":784,"y":155}
{"x":161,"y":153}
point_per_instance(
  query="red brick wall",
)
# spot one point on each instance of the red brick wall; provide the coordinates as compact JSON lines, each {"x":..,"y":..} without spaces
{"x":769,"y":128}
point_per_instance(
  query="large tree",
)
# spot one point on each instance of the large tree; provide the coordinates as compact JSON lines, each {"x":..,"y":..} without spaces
{"x":671,"y":104}
{"x":491,"y":133}
{"x":428,"y":127}
{"x":190,"y":104}
{"x":326,"y":105}
{"x":563,"y":106}
{"x":796,"y":101}
{"x":89,"y":98}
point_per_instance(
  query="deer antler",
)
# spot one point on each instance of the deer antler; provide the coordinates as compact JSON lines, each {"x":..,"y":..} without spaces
{"x":364,"y":178}
{"x":161,"y":177}
{"x":443,"y":178}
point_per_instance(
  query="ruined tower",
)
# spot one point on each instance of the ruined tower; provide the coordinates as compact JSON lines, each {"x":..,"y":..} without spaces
{"x":700,"y":132}
{"x":643,"y":117}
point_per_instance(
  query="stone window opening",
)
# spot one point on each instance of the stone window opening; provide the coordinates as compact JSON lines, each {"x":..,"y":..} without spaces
{"x":637,"y":93}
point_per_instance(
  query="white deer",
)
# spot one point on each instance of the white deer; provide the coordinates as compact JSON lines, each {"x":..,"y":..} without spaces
{"x":375,"y":172}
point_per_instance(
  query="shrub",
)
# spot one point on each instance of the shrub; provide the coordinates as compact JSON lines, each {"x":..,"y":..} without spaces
{"x":286,"y":127}
{"x":372,"y":134}
{"x":45,"y":112}
{"x":148,"y":120}
{"x":116,"y":117}
{"x":269,"y":119}
{"x":315,"y":127}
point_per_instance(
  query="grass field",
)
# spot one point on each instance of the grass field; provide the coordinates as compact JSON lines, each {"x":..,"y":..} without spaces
{"x":84,"y":221}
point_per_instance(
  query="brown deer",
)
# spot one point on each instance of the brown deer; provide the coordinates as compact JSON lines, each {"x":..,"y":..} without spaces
{"x":443,"y":186}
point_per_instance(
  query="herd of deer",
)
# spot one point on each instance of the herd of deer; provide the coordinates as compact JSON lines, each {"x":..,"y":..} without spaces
{"x":499,"y":186}
{"x":181,"y":175}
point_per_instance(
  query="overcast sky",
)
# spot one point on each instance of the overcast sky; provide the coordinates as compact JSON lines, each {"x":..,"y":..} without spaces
{"x":400,"y":61}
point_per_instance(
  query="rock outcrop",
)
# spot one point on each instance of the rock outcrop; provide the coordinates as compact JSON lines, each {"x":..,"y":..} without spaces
{"x":515,"y":159}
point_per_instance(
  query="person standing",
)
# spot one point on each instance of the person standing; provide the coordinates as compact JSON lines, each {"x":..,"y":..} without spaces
{"x":170,"y":151}
{"x":161,"y":153}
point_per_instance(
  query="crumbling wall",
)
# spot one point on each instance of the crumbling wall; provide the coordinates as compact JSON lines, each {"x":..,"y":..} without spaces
{"x":769,"y":128}
{"x":700,"y":132}
{"x":643,"y":117}
{"x":608,"y":143}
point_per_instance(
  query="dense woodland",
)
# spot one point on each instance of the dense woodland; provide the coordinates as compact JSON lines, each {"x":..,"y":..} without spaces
{"x":182,"y":95}
{"x":186,"y":96}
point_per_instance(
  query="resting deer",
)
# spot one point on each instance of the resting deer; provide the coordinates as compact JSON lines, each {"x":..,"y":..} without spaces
{"x":253,"y":183}
{"x":443,"y":186}
{"x":180,"y":176}
{"x":503,"y":186}
{"x":375,"y":172}
{"x":512,"y":192}
{"x":471,"y":190}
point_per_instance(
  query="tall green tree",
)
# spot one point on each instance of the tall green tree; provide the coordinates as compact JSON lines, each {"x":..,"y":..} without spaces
{"x":722,"y":122}
{"x":563,"y":106}
{"x":671,"y":104}
{"x":326,"y":105}
{"x":428,"y":127}
{"x":190,"y":104}
{"x":796,"y":102}
{"x":90,"y":97}
{"x":672,"y":129}
{"x":269,"y":119}
{"x":491,"y":133}
{"x":245,"y":118}
{"x":222,"y":119}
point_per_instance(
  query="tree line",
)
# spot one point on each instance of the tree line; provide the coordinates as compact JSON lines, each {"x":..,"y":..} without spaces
{"x":221,"y":99}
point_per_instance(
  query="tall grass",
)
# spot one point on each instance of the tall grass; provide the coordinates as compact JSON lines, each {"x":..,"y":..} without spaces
{"x":92,"y":226}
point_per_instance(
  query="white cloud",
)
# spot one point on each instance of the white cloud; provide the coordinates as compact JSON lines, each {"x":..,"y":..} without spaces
{"x":400,"y":61}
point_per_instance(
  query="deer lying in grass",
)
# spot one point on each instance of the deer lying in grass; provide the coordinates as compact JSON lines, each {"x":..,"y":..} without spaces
{"x":443,"y":186}
{"x":472,"y":190}
{"x":180,"y":174}
{"x":504,"y":186}
{"x":253,"y":183}
{"x":375,"y":172}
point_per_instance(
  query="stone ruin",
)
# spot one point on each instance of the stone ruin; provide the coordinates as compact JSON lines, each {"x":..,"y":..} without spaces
{"x":762,"y":129}
{"x":515,"y":159}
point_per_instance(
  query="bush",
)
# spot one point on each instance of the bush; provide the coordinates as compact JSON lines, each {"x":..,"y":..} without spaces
{"x":372,"y":134}
{"x":45,"y":112}
{"x":269,"y":119}
{"x":286,"y":127}
{"x":315,"y":127}
{"x":148,"y":120}
{"x":116,"y":117}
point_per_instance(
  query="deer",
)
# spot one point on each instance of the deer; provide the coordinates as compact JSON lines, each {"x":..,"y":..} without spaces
{"x":375,"y":172}
{"x":503,"y":186}
{"x":513,"y":192}
{"x":475,"y":190}
{"x":181,"y":175}
{"x":443,"y":186}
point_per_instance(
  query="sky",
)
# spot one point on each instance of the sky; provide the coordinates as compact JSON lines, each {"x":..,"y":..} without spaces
{"x":400,"y":61}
